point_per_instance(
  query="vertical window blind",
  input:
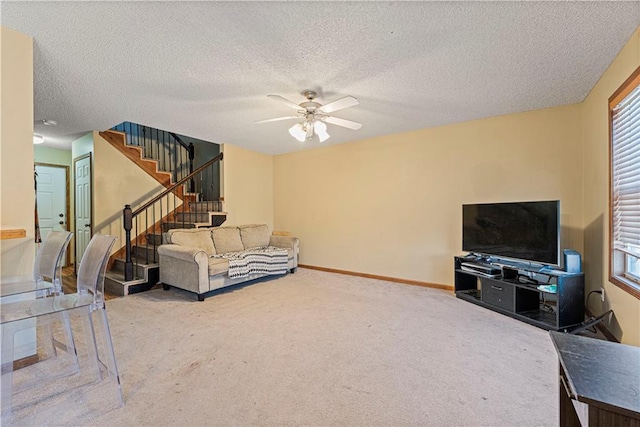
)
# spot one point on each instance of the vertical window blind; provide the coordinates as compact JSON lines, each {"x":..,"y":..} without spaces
{"x":625,"y":137}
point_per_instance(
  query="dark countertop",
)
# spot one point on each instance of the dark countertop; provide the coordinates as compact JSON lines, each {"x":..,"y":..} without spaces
{"x":601,"y":373}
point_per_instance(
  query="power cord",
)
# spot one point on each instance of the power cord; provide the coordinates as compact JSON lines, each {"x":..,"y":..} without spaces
{"x":592,"y":328}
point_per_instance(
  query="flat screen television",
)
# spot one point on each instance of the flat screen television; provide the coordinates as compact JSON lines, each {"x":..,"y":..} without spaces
{"x":523,"y":231}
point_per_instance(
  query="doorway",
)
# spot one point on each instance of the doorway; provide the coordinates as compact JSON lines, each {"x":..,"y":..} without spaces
{"x":52,"y":198}
{"x":83,"y":198}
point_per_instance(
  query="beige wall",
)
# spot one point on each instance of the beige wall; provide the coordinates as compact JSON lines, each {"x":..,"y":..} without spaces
{"x":391,"y":205}
{"x":247,"y":179}
{"x":595,"y":136}
{"x":16,"y":151}
{"x":54,"y":156}
{"x":114,"y":176}
{"x":17,"y":194}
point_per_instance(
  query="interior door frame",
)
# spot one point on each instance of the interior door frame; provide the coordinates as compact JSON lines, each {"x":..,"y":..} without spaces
{"x":77,"y":159}
{"x":67,"y":195}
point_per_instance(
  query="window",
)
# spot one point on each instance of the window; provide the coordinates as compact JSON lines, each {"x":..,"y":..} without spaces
{"x":624,"y":113}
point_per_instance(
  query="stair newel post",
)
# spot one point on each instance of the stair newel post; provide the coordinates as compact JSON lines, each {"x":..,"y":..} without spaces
{"x":127,"y":220}
{"x":192,"y":155}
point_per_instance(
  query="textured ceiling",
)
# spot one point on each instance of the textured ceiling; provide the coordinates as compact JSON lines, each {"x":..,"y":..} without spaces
{"x":203,"y":69}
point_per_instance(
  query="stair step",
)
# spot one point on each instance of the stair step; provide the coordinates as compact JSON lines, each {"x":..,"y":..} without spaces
{"x":171,"y":225}
{"x":154,"y":239}
{"x":217,"y":218}
{"x":195,"y":196}
{"x":146,"y":253}
{"x":203,"y":219}
{"x":114,"y":282}
{"x":139,"y":265}
{"x":208,"y":206}
{"x":193,"y":217}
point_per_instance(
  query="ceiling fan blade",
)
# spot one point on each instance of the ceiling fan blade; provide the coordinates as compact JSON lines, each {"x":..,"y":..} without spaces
{"x":285,"y":101}
{"x":277,"y":119}
{"x":344,"y":123}
{"x":346,"y":102}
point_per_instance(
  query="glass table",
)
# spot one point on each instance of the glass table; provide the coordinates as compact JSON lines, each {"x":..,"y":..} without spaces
{"x":25,"y":285}
{"x":22,"y":300}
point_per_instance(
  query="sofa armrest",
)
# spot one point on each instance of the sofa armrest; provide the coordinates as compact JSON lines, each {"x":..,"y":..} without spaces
{"x":184,"y":267}
{"x":286,"y":242}
{"x":183,"y":253}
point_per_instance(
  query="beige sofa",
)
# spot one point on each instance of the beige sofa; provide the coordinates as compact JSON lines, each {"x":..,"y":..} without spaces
{"x":188,"y":256}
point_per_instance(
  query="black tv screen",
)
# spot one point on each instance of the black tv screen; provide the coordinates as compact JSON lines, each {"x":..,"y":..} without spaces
{"x":528,"y":231}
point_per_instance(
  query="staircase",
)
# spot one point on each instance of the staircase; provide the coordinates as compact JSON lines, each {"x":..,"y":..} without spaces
{"x":134,"y":267}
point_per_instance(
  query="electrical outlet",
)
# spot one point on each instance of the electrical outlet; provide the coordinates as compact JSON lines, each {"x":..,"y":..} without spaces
{"x":602,"y":294}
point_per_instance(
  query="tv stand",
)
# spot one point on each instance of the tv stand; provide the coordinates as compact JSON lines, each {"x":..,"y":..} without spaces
{"x":513,"y":291}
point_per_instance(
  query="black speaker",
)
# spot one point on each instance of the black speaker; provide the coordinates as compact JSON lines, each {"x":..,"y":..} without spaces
{"x":572,"y":261}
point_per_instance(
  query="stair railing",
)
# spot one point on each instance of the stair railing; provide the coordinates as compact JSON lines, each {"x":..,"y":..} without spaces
{"x":168,"y":149}
{"x":191,"y":151}
{"x":169,"y":209}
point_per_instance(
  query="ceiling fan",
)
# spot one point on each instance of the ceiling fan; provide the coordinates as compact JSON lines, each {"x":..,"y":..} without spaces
{"x":315,"y":116}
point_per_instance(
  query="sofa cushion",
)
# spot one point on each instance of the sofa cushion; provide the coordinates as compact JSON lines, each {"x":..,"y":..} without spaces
{"x":218,"y":266}
{"x":255,"y":235}
{"x":199,"y":238}
{"x":226,"y":239}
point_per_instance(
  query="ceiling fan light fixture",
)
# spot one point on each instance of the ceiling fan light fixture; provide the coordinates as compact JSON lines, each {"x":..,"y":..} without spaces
{"x":297,"y":132}
{"x":323,"y":136}
{"x":38,"y":139}
{"x":319,"y":127}
{"x":314,"y":116}
{"x":321,"y":130}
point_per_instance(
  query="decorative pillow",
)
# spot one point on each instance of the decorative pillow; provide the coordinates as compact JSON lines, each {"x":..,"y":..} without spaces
{"x":255,"y":235}
{"x":226,"y":239}
{"x":199,"y":238}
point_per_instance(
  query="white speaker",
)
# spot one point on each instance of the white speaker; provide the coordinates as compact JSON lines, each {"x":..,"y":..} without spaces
{"x":572,"y":261}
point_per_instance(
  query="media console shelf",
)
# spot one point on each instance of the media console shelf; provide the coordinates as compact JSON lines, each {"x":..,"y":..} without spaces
{"x":509,"y":291}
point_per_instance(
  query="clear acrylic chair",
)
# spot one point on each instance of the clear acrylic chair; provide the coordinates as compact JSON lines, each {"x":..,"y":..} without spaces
{"x":46,"y":280}
{"x":47,"y":268}
{"x":64,"y":309}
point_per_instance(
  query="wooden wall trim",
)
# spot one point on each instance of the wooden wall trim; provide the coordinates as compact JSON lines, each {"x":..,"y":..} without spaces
{"x":377,"y":277}
{"x":630,"y":84}
{"x":17,"y":233}
{"x":26,"y":361}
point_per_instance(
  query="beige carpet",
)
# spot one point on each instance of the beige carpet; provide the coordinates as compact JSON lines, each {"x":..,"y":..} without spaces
{"x":319,"y":349}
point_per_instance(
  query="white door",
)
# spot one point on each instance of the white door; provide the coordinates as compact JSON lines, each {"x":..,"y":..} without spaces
{"x":82,"y":183}
{"x":51,"y":197}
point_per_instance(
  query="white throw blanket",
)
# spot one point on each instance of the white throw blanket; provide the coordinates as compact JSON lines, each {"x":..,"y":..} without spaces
{"x":266,"y":260}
